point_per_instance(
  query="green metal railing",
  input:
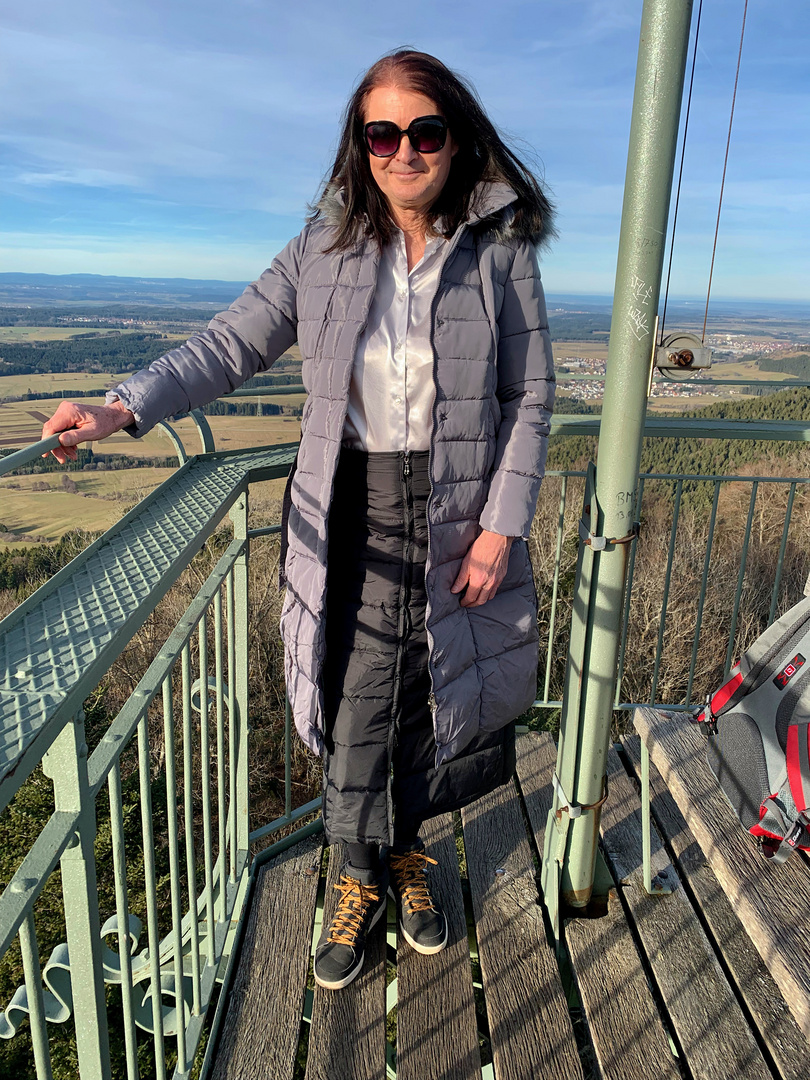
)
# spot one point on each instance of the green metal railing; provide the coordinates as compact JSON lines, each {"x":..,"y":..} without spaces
{"x":772,"y":597}
{"x":188,"y":713}
{"x":175,"y":757}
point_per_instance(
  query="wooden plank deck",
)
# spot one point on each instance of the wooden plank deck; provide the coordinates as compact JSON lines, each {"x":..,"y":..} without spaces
{"x":529,"y":1023}
{"x":767,"y":1008}
{"x":435,"y":993}
{"x":658,"y":988}
{"x":628,"y":1035}
{"x":260,"y":1033}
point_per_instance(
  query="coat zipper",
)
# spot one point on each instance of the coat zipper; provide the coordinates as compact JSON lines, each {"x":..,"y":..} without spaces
{"x":433,"y":305}
{"x":402,"y":622}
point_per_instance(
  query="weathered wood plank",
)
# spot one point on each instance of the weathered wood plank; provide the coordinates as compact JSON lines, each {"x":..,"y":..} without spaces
{"x":708,"y":1022}
{"x":529,"y":1023}
{"x":777,"y":1028}
{"x":536,"y":760}
{"x":627,"y":1033}
{"x":437,"y":1033}
{"x":260,"y":1028}
{"x":347,"y":1033}
{"x":771,"y":901}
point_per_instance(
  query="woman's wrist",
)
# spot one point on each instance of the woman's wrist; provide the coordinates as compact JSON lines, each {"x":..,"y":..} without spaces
{"x":127,"y":416}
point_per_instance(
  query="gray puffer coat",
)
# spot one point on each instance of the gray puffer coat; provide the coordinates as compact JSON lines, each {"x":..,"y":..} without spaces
{"x":494,"y":395}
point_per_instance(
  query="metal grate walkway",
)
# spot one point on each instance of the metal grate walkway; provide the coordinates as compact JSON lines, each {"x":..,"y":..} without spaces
{"x":70,"y":631}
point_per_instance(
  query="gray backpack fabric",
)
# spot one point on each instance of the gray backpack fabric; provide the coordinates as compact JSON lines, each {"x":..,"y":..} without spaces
{"x":758,"y":727}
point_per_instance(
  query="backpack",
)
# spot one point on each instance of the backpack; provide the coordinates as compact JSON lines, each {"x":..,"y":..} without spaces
{"x":758,"y":728}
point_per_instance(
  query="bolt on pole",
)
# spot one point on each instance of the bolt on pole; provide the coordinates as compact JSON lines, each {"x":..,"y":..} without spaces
{"x":601,"y":577}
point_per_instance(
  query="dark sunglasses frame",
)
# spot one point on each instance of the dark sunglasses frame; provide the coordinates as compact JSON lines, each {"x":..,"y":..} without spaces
{"x":436,"y":122}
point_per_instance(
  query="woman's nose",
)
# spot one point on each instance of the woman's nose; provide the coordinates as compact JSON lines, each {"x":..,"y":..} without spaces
{"x":406,"y":152}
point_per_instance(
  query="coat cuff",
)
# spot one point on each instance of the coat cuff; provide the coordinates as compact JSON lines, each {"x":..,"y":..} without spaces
{"x":511,"y":504}
{"x":131,"y":402}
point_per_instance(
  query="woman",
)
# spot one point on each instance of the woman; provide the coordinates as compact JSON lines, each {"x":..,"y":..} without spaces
{"x":410,"y":615}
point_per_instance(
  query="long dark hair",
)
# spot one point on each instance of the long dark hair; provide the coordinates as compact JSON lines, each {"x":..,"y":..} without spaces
{"x":482,"y":155}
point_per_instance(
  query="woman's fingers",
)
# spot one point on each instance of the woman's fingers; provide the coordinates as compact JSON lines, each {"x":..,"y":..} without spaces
{"x":463,"y":578}
{"x":76,"y":423}
{"x":483,"y":568}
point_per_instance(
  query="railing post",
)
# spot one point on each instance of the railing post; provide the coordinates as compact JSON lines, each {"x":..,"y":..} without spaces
{"x":596,"y":623}
{"x":239,"y":517}
{"x":66,"y":764}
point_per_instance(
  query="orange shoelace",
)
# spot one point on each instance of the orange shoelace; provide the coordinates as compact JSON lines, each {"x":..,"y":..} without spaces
{"x":409,"y":872}
{"x":353,"y":906}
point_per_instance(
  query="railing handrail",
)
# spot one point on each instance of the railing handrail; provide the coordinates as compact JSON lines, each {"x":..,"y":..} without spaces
{"x":561,"y":424}
{"x":27,"y":454}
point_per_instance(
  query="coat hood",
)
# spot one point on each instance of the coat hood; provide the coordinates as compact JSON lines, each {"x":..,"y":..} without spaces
{"x":491,"y":206}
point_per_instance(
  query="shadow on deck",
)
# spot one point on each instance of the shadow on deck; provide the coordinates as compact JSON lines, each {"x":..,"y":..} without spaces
{"x":656,"y":988}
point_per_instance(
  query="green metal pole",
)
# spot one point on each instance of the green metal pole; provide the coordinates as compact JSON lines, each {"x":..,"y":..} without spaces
{"x":65,"y":764}
{"x":240,"y":631}
{"x":651,"y":158}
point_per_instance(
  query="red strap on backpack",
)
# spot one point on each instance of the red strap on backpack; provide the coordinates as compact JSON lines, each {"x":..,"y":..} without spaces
{"x":719,"y":700}
{"x":798,"y":764}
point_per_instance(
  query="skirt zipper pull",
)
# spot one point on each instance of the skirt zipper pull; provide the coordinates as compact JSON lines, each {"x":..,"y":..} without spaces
{"x":406,"y":465}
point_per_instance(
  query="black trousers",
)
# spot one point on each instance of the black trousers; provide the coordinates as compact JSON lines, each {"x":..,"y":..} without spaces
{"x":378,"y":724}
{"x":380,"y":748}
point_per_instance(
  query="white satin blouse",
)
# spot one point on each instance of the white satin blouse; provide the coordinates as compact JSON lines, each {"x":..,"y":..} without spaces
{"x":392,"y":389}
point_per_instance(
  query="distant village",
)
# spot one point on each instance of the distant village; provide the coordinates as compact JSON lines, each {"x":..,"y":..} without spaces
{"x":726,"y":348}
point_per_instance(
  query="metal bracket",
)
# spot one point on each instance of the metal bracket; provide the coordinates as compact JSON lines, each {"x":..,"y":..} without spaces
{"x":567,"y":806}
{"x":600,"y":543}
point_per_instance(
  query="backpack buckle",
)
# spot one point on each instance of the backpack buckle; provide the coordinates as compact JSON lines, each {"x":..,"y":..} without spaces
{"x":706,"y":717}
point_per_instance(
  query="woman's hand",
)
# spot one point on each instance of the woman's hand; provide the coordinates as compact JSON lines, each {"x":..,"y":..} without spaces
{"x":483,"y":568}
{"x":84,"y":423}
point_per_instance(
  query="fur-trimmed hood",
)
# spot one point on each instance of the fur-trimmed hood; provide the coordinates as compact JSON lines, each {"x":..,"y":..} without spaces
{"x":491,"y":209}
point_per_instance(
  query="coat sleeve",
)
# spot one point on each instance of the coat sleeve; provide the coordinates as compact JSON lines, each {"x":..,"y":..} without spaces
{"x":526,"y":396}
{"x":247,"y":338}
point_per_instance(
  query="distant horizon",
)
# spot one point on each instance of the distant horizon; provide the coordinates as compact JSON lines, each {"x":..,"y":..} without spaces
{"x":567,"y":296}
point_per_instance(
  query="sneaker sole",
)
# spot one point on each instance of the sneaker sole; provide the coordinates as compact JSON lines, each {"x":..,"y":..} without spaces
{"x":338,"y":985}
{"x":425,"y":950}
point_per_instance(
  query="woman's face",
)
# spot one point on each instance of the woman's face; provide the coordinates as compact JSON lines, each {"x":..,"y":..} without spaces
{"x":409,"y":181}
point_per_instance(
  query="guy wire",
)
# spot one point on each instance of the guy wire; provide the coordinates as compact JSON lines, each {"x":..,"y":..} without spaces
{"x":725,"y":165}
{"x":680,"y":171}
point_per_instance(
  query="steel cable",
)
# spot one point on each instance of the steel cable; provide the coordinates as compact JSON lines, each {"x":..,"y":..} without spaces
{"x":725,"y":165}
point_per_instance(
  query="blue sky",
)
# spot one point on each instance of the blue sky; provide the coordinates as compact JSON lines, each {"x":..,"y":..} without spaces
{"x":185,"y":139}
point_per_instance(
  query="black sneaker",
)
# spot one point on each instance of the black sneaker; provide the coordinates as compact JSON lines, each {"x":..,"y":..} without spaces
{"x":339,"y":954}
{"x":421,"y":921}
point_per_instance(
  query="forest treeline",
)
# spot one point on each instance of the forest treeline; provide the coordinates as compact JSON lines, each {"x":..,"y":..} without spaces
{"x":23,"y":569}
{"x":694,"y":455}
{"x":111,"y":352}
{"x":788,"y":365}
{"x":87,"y":460}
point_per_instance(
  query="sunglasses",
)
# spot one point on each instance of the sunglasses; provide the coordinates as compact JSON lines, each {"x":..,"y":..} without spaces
{"x":427,"y":135}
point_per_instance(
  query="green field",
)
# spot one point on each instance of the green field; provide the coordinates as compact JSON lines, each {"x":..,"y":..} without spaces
{"x":101,"y":500}
{"x":14,"y":385}
{"x":21,"y":335}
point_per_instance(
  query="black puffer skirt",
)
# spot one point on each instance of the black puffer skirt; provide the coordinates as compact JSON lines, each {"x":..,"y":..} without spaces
{"x":379,"y":756}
